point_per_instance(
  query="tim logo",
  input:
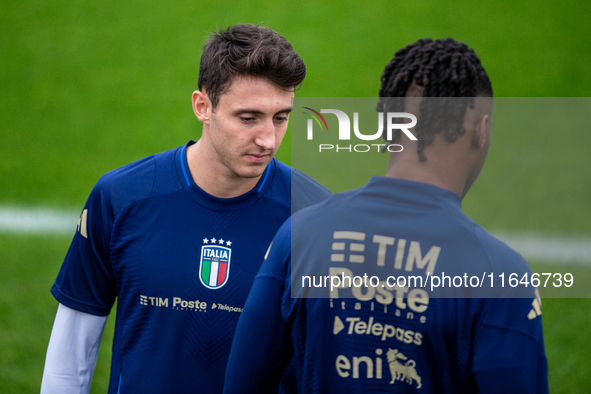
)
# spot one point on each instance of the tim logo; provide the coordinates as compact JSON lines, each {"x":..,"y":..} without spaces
{"x":345,"y":124}
{"x":214,"y":266}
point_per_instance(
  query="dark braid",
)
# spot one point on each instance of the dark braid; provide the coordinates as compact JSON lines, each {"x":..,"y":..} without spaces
{"x":443,"y":68}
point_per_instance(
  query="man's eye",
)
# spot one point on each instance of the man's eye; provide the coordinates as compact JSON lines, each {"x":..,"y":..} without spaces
{"x":281,"y":119}
{"x":247,"y":118}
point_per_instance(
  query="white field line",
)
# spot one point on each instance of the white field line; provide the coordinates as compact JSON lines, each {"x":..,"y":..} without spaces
{"x":532,"y":246}
{"x":543,"y":247}
{"x":38,"y":221}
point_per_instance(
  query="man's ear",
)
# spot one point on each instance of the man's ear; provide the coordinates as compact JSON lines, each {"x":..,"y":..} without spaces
{"x":202,"y":106}
{"x":479,"y":135}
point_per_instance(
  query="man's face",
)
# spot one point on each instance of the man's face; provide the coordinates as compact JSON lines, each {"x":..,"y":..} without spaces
{"x":249,"y":124}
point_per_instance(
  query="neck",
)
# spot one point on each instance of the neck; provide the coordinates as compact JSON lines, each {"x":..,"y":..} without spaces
{"x":213,"y":176}
{"x":443,"y":170}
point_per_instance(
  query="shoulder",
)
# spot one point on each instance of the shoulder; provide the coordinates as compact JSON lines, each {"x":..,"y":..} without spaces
{"x":133,"y":181}
{"x":506,"y":263}
{"x":501,"y":256}
{"x":304,"y":190}
{"x":293,"y":188}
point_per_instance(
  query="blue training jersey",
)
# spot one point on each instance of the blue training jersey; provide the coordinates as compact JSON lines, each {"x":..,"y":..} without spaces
{"x":180,"y":263}
{"x":389,"y":336}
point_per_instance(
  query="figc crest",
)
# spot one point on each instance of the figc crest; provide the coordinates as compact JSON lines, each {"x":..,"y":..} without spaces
{"x":214,"y":267}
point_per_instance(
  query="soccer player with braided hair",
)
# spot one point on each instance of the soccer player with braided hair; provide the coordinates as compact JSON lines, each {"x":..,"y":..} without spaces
{"x":390,"y":334}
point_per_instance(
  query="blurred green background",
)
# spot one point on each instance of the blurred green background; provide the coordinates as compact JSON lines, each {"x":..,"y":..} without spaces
{"x":87,"y":87}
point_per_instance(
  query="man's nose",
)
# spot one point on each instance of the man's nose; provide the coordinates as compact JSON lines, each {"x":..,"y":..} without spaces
{"x":265,"y":137}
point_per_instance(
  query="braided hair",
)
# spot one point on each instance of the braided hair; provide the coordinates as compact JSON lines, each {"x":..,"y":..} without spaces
{"x":442,"y":68}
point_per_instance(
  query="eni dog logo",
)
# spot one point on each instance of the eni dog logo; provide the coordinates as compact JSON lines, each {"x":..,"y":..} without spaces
{"x":403,"y":371}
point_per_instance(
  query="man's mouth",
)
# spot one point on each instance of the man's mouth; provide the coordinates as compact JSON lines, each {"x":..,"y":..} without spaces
{"x":257,"y":157}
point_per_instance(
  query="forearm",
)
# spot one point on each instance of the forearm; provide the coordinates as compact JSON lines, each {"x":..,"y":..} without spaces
{"x":72,"y":352}
{"x":261,"y":348}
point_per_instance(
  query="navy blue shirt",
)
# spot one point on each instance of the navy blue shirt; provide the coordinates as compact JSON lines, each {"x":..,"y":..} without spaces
{"x":179,"y":261}
{"x":391,"y":337}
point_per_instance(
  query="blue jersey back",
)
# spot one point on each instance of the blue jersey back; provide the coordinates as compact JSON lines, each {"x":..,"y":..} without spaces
{"x":181,"y":263}
{"x":388,"y":336}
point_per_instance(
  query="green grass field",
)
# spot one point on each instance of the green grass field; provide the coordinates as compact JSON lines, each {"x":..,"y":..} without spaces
{"x":87,"y":87}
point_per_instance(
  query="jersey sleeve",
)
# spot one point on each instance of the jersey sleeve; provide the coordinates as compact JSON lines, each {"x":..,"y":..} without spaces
{"x":509,"y":353}
{"x":85,"y":281}
{"x":262,"y":347}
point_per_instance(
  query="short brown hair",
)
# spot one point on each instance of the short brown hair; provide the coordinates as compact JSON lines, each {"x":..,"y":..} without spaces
{"x":248,"y":50}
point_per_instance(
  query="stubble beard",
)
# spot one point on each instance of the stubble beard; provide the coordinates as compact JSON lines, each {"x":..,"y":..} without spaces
{"x":240,"y":170}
